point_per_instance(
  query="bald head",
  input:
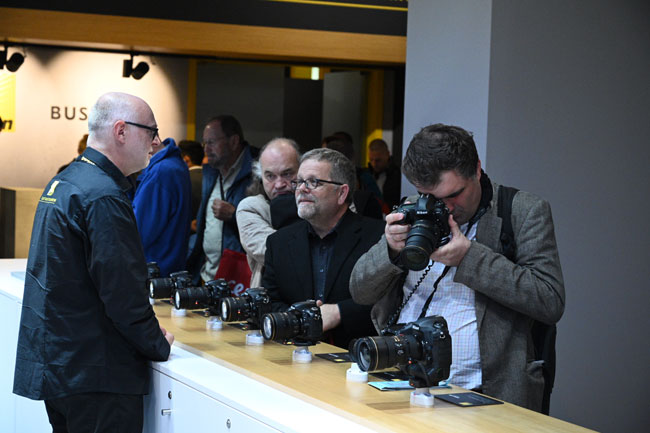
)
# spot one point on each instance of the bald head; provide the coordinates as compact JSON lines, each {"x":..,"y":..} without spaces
{"x":112,"y":130}
{"x":278,"y":165}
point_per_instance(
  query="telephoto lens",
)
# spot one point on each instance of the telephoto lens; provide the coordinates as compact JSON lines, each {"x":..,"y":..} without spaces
{"x":423,"y":239}
{"x":210,"y":296}
{"x":160,"y":288}
{"x":301,"y":324}
{"x":378,"y":353}
{"x":251,"y":306}
{"x":429,"y":220}
{"x":420,"y":349}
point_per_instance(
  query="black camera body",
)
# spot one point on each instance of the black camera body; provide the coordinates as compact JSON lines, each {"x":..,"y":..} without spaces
{"x":160,"y":288}
{"x":429,"y":220}
{"x":251,"y":306}
{"x":420,"y":349}
{"x":301,"y":324}
{"x":209,"y":296}
{"x":153,"y":270}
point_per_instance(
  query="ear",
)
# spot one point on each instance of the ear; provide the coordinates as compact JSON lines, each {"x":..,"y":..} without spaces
{"x":478,"y":170}
{"x":119,"y":131}
{"x":344,"y":190}
{"x":233,"y":141}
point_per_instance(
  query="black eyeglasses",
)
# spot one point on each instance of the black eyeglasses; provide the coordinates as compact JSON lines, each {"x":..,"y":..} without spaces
{"x":312,"y":183}
{"x":154,"y":131}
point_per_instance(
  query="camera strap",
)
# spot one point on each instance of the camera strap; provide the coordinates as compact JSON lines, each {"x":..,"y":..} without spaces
{"x":442,"y":275}
{"x":393,"y":318}
{"x":435,"y":288}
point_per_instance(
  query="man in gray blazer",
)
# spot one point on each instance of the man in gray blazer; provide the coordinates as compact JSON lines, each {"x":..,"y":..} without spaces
{"x":489,"y":301}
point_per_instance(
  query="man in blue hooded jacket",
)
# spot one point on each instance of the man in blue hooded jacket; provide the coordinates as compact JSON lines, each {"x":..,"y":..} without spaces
{"x":163,"y":208}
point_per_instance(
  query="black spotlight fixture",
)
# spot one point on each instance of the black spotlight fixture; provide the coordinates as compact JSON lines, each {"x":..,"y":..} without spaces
{"x":14,"y":61}
{"x":138,"y":72}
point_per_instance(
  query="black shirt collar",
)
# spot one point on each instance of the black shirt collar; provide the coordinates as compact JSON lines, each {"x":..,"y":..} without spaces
{"x":93,"y":156}
{"x":335,"y":229}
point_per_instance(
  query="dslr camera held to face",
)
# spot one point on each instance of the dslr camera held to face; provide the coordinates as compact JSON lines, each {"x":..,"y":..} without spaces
{"x":210,"y":296}
{"x":301,"y":324}
{"x":251,"y":306}
{"x":420,"y":349}
{"x":429,"y":220}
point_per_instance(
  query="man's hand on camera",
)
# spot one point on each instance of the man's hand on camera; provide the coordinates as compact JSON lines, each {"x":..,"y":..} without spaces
{"x":395,"y":233}
{"x":222,"y":209}
{"x":331,"y":315}
{"x":454,"y":252}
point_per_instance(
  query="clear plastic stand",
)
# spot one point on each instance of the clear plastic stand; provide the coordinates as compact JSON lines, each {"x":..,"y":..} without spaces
{"x":421,"y":397}
{"x":302,"y":355}
{"x":254,"y":338}
{"x":179,"y":313}
{"x":354,"y":374}
{"x":214,"y":323}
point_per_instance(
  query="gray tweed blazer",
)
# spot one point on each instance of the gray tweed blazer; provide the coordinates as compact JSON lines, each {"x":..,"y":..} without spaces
{"x":508,"y":295}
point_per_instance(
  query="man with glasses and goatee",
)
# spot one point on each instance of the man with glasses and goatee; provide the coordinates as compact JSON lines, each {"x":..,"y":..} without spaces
{"x":313,"y":258}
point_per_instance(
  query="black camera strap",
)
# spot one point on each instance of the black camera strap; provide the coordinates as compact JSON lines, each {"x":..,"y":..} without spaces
{"x":435,"y":288}
{"x":444,"y":272}
{"x":484,"y":205}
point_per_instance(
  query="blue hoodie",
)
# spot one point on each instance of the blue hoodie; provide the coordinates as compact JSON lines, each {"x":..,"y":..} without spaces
{"x":163,"y":209}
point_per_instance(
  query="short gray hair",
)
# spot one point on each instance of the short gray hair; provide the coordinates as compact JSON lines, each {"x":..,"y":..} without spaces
{"x":341,"y":168}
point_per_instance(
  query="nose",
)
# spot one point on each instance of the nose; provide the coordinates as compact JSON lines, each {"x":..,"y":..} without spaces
{"x":281,"y":183}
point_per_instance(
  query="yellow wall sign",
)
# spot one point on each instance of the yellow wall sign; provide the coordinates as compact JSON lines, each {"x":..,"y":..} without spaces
{"x":7,"y":101}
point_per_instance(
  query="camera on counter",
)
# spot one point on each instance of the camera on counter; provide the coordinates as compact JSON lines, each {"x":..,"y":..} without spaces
{"x":209,"y":296}
{"x":160,"y":288}
{"x":153,"y":270}
{"x":301,"y":324}
{"x":251,"y":306}
{"x":420,"y":349}
{"x":429,"y":220}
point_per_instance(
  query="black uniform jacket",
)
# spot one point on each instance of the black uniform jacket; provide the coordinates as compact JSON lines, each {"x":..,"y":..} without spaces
{"x":86,"y":323}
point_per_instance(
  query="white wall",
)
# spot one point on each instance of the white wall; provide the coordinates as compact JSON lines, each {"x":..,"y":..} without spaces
{"x":567,"y":118}
{"x":31,"y":155}
{"x":447,"y":69}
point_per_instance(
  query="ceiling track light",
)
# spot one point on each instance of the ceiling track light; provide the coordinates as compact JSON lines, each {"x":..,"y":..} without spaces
{"x":138,"y":72}
{"x":14,"y":61}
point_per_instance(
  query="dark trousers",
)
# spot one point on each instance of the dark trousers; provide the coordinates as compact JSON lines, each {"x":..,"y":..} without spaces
{"x":96,"y":412}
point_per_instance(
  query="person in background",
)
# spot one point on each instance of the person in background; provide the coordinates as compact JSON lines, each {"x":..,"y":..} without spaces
{"x":192,"y":153}
{"x":225,"y":179}
{"x":162,"y":207}
{"x":387,"y":174}
{"x":366,"y":200}
{"x":313,"y":258}
{"x":80,"y":149}
{"x":273,"y":172}
{"x":87,"y":330}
